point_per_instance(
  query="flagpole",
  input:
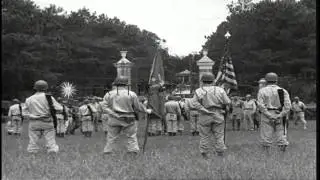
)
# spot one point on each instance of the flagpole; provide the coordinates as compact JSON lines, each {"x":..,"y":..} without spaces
{"x":227,"y":35}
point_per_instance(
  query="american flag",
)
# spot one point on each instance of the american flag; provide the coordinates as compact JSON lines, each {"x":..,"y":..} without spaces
{"x":226,"y":76}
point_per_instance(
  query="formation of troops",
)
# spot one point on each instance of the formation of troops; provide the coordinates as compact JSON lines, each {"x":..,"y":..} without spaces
{"x":120,"y":109}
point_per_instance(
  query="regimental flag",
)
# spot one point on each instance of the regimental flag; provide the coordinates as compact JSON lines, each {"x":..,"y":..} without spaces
{"x":226,"y":76}
{"x":156,"y":81}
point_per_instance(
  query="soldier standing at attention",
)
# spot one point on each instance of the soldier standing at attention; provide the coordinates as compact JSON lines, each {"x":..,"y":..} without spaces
{"x":86,"y":113}
{"x":274,"y":104}
{"x":193,"y":117}
{"x":236,"y":112}
{"x":16,"y":117}
{"x":249,"y":108}
{"x":172,"y":114}
{"x":122,"y":106}
{"x":61,"y":120}
{"x":211,"y":102}
{"x":298,"y":108}
{"x":39,"y":107}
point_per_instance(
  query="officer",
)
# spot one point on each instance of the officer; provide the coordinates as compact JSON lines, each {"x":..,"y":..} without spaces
{"x":16,"y":117}
{"x":249,"y":108}
{"x":298,"y":108}
{"x":172,"y":114}
{"x":270,"y":100}
{"x":122,"y":106}
{"x":41,"y":123}
{"x":211,"y":102}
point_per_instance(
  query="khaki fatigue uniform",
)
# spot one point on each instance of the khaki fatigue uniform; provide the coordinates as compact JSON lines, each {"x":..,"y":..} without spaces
{"x":236,"y":114}
{"x":61,"y":122}
{"x":211,"y":98}
{"x":193,"y":116}
{"x":181,"y":120}
{"x":121,"y":105}
{"x":249,"y":108}
{"x":15,"y":119}
{"x":268,"y":103}
{"x":41,"y":122}
{"x":298,"y":113}
{"x":172,"y":114}
{"x":86,"y":118}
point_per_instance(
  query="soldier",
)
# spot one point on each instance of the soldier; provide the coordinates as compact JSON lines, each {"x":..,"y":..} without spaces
{"x":40,"y":108}
{"x":211,"y":102}
{"x":262,"y":83}
{"x":274,"y":104}
{"x":70,"y":118}
{"x":16,"y":116}
{"x":183,"y":116}
{"x":249,"y":108}
{"x":236,"y":112}
{"x":172,"y":114}
{"x":86,"y":112}
{"x":122,"y":106}
{"x":62,"y":119}
{"x":193,"y":115}
{"x":298,"y":108}
{"x":97,"y":117}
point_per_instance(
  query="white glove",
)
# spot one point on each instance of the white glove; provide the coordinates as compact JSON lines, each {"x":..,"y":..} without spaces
{"x":149,"y":111}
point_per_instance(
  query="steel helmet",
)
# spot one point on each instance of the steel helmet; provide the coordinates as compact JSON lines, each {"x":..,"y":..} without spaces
{"x":296,"y":98}
{"x":271,"y":77}
{"x":262,"y":80}
{"x":15,"y":100}
{"x":171,"y":97}
{"x":248,"y":96}
{"x":40,"y":85}
{"x":207,"y":77}
{"x":121,"y":81}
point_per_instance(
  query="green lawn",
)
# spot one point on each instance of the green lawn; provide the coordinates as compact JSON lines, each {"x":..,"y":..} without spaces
{"x":165,"y":158}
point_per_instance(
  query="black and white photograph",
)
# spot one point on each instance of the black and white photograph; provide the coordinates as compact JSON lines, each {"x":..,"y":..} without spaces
{"x":158,"y":90}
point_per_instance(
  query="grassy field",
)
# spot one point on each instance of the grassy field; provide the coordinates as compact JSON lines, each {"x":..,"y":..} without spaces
{"x":165,"y":158}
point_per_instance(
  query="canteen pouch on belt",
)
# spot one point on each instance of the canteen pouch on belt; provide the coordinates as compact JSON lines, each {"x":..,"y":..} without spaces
{"x":171,"y":117}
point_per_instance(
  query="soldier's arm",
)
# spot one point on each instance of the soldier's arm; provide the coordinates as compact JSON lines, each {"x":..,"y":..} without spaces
{"x":254,"y":105}
{"x":303,"y":106}
{"x":226,"y":100}
{"x":196,"y":104}
{"x":262,"y":106}
{"x":286,"y":104}
{"x":10,"y":112}
{"x":56,"y":105}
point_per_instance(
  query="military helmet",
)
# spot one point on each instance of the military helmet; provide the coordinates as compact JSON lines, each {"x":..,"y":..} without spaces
{"x":86,"y":101}
{"x":40,"y":85}
{"x":16,"y":100}
{"x":262,"y":80}
{"x":207,"y":77}
{"x":171,"y":97}
{"x":121,"y":81}
{"x":248,"y":96}
{"x":296,"y":98}
{"x":271,"y":77}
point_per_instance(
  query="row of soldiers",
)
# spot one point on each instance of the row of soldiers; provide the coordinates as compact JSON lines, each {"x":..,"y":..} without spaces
{"x":120,"y":106}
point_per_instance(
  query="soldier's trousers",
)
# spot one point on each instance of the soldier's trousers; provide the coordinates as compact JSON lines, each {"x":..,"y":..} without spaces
{"x":180,"y":124}
{"x":115,"y":127}
{"x":61,"y":126}
{"x":38,"y":129}
{"x":248,"y":119}
{"x":267,"y":130}
{"x":299,"y":116}
{"x":87,"y":125}
{"x":172,"y":126}
{"x":16,"y":125}
{"x":104,"y":119}
{"x":194,"y":121}
{"x":206,"y":132}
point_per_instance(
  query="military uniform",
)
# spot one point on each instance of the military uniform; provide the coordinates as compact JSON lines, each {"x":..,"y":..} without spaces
{"x":86,"y":113}
{"x":15,"y":114}
{"x":249,"y":109}
{"x":193,"y":117}
{"x":61,"y":121}
{"x":40,"y":119}
{"x":298,"y":108}
{"x":182,"y":118}
{"x":271,"y":118}
{"x":121,"y":105}
{"x":172,"y":114}
{"x":236,"y":114}
{"x":210,"y":100}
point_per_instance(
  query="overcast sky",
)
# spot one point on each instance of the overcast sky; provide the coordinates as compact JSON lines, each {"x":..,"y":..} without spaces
{"x":182,"y":23}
